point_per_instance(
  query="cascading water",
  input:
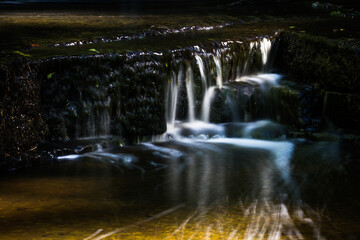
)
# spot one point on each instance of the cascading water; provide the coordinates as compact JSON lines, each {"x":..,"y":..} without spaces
{"x":205,"y":133}
{"x":219,"y":79}
{"x":172,"y":98}
{"x":190,"y":94}
{"x":201,"y":66}
{"x":206,"y":106}
{"x":233,"y":173}
{"x":214,"y":140}
{"x":246,"y":68}
{"x":213,"y":85}
{"x":265,"y":46}
{"x":265,"y":81}
{"x":202,"y":132}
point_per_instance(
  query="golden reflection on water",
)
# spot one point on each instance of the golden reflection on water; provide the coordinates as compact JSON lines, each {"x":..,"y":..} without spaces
{"x":200,"y":196}
{"x":74,"y":208}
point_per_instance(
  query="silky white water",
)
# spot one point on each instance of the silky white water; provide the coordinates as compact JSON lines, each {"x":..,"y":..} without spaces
{"x":190,"y":94}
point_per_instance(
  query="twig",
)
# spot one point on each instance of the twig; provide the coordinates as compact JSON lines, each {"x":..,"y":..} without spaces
{"x":94,"y":234}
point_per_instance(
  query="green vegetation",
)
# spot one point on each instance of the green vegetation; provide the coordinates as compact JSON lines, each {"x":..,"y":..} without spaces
{"x":22,"y":54}
{"x":336,"y":13}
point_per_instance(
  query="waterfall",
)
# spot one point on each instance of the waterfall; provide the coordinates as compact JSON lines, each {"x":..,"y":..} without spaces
{"x":247,"y":64}
{"x":200,"y":63}
{"x":206,"y":106}
{"x":223,"y":65}
{"x":172,"y":99}
{"x":208,"y":92}
{"x":204,"y":157}
{"x":219,"y":80}
{"x":265,"y":46}
{"x":264,"y":80}
{"x":190,"y":94}
{"x":110,"y":100}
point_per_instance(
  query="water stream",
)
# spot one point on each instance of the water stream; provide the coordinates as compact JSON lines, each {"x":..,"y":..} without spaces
{"x":203,"y":179}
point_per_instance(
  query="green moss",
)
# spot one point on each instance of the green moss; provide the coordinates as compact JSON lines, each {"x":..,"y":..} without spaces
{"x":326,"y":66}
{"x":318,"y":61}
{"x":335,"y":13}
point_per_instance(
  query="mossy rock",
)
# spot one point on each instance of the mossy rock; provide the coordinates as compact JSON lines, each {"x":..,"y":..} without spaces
{"x":318,"y":61}
{"x":21,"y":125}
{"x":95,"y":96}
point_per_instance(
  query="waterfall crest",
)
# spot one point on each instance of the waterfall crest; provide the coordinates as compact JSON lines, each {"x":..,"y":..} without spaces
{"x":210,"y":77}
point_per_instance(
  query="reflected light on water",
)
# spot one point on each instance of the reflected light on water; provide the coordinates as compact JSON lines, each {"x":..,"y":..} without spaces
{"x":257,"y":220}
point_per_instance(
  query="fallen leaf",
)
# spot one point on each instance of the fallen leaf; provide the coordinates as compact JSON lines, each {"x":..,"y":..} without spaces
{"x":93,"y":50}
{"x":50,"y":75}
{"x":22,"y":54}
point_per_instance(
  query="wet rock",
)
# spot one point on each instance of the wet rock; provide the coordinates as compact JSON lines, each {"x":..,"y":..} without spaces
{"x":317,"y":61}
{"x":325,"y":6}
{"x":245,"y":102}
{"x":244,"y":98}
{"x":332,"y":74}
{"x":21,"y":125}
{"x":95,"y":96}
{"x":224,"y":105}
{"x":284,"y":106}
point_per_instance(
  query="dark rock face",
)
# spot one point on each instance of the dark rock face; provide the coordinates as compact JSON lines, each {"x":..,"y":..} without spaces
{"x":329,"y":70}
{"x":224,"y":106}
{"x":122,"y":96}
{"x":284,"y":107}
{"x":62,"y":99}
{"x":21,"y":124}
{"x":318,"y":61}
